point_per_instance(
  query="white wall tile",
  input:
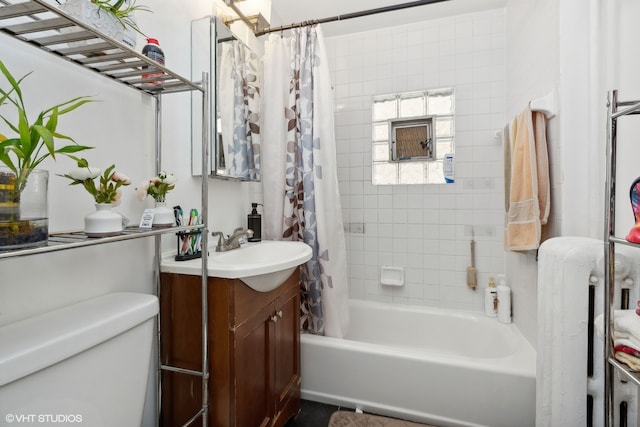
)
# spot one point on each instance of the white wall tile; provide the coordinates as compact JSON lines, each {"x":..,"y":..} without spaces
{"x":422,"y":227}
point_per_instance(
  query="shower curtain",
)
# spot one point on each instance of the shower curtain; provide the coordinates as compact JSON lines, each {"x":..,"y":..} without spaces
{"x":300,"y":183}
{"x":239,"y":86}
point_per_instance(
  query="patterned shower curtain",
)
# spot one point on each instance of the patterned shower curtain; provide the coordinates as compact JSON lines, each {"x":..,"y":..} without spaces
{"x":239,"y":87}
{"x":300,"y":175}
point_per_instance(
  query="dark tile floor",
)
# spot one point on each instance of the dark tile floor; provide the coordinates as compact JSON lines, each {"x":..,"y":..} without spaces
{"x":313,"y":414}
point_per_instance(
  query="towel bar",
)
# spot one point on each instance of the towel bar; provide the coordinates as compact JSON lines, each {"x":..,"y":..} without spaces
{"x":545,"y":104}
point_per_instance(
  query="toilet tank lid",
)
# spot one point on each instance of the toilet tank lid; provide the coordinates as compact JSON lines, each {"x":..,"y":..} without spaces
{"x":43,"y":340}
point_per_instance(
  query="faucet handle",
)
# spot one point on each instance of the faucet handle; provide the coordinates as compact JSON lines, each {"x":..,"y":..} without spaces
{"x":247,"y":231}
{"x":220,"y":237}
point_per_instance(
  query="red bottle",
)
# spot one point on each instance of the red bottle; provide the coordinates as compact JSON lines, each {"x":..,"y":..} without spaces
{"x":152,"y":51}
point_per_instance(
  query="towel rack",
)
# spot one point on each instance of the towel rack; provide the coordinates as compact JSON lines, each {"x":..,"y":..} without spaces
{"x":615,"y":110}
{"x":545,"y":104}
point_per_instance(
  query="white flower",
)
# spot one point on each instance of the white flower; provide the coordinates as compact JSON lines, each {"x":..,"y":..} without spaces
{"x":170,"y":179}
{"x":117,"y":176}
{"x":141,"y":189}
{"x":82,"y":174}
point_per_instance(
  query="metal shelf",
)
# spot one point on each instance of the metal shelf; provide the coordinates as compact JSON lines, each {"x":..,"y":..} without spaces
{"x":48,"y":28}
{"x":77,"y":239}
{"x":621,"y":241}
{"x":51,"y":29}
{"x":632,"y":376}
{"x":616,"y":109}
{"x":45,"y":26}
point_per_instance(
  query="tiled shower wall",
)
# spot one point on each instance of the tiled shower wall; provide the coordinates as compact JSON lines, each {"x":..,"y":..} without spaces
{"x":424,"y":228}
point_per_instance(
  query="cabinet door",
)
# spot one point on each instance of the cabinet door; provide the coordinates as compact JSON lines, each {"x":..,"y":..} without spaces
{"x":253,"y":371}
{"x":287,"y":354}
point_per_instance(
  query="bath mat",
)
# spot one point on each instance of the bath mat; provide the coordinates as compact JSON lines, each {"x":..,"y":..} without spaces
{"x":352,"y":419}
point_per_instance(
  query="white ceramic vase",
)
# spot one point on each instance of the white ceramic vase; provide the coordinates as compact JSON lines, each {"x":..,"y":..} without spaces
{"x":103,"y":222}
{"x":106,"y":23}
{"x":163,"y":216}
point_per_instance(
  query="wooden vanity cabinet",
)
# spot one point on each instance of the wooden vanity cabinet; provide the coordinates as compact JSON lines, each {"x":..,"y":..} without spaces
{"x":254,"y":351}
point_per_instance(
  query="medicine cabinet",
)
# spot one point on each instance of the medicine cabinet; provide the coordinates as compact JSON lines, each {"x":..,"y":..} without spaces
{"x":234,"y":130}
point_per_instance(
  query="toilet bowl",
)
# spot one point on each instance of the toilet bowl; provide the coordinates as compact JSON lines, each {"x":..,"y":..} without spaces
{"x":84,"y":364}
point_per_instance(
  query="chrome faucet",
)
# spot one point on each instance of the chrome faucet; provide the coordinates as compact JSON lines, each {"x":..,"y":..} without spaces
{"x":233,"y":241}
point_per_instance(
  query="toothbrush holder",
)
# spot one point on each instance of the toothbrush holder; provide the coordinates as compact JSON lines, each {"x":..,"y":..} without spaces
{"x":189,"y":245}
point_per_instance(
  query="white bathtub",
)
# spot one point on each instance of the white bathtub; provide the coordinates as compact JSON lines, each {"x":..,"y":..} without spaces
{"x":424,"y":364}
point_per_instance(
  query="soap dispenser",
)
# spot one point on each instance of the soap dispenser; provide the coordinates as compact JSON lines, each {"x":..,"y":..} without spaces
{"x":254,"y":223}
{"x":491,"y":299}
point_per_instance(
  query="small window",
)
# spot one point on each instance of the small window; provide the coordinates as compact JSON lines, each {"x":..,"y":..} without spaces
{"x":411,"y":134}
{"x":412,"y":139}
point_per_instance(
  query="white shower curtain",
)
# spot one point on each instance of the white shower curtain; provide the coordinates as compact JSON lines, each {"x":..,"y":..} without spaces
{"x":300,"y":181}
{"x":239,"y":87}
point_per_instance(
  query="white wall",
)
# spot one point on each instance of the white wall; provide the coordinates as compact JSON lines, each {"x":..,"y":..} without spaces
{"x":424,"y":228}
{"x":532,"y":71}
{"x":121,"y":127}
{"x":556,"y":46}
{"x":549,"y":46}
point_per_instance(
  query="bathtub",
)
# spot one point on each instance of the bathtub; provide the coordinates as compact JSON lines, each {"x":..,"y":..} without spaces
{"x":424,"y":364}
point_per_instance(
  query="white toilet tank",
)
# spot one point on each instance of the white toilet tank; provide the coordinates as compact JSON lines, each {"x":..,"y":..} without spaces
{"x":84,"y":364}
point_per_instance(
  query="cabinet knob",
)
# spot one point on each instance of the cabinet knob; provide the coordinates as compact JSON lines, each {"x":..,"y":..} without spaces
{"x":276,"y":316}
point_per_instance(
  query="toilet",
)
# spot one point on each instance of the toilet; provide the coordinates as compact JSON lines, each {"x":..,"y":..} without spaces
{"x":83,"y":364}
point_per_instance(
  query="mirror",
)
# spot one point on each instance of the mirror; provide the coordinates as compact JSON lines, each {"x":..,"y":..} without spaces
{"x":235,"y":98}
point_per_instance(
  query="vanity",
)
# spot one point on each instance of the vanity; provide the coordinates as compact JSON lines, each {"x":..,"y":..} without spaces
{"x":253,"y":335}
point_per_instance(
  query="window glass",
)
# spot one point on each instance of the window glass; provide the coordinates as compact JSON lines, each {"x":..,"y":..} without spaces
{"x":385,"y":108}
{"x":433,"y":104}
{"x":385,"y":173}
{"x":444,"y":126}
{"x":412,"y":105}
{"x":381,"y":131}
{"x":440,"y":102}
{"x":412,"y":173}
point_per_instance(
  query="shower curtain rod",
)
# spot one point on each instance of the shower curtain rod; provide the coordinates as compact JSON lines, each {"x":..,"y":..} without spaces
{"x":349,"y":16}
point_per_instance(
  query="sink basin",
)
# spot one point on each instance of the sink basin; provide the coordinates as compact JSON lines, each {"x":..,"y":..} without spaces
{"x":263,"y":266}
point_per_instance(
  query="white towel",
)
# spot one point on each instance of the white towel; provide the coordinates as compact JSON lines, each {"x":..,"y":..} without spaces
{"x":626,"y":326}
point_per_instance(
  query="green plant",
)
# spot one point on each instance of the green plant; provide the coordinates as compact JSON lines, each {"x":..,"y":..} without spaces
{"x":122,"y":10}
{"x":33,"y":141}
{"x":157,"y":187}
{"x":110,"y":181}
